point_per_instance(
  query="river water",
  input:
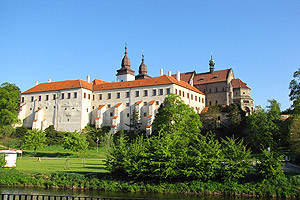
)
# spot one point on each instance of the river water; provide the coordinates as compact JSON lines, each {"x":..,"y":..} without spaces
{"x":95,"y":193}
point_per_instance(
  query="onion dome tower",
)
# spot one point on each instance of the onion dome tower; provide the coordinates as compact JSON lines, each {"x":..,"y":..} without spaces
{"x":125,"y":73}
{"x":142,"y":70}
{"x":211,"y":65}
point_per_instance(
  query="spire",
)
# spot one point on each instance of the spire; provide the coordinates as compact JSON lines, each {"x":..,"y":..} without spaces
{"x":142,"y":69}
{"x":211,"y":64}
{"x":125,"y":61}
{"x":125,"y":72}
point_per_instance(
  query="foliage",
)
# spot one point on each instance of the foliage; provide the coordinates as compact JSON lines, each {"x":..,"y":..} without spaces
{"x":2,"y":160}
{"x":209,"y":119}
{"x":76,"y":142}
{"x":34,"y":139}
{"x":92,"y":134}
{"x":54,"y":137}
{"x":174,"y":115}
{"x":135,"y":125}
{"x":9,"y":104}
{"x":263,"y":130}
{"x":295,"y":134}
{"x":270,"y":165}
{"x":20,"y":132}
{"x":295,"y":92}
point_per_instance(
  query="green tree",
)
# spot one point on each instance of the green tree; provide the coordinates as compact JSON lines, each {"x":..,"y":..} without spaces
{"x":34,"y":139}
{"x":76,"y":142}
{"x":9,"y":105}
{"x":295,"y":135}
{"x":54,"y":137}
{"x":174,"y":115}
{"x":210,"y":118}
{"x":295,"y":92}
{"x":135,"y":125}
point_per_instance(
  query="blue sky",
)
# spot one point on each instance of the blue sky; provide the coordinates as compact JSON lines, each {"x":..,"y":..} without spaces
{"x":70,"y":39}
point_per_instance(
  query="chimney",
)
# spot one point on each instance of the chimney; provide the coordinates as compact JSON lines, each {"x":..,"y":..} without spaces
{"x":49,"y":80}
{"x":178,"y":76}
{"x":161,"y":72}
{"x":88,"y":78}
{"x":169,"y":73}
{"x":36,"y":82}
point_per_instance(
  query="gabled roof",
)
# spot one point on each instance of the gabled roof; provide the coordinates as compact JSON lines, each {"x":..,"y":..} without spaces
{"x":204,"y":78}
{"x":98,"y":82}
{"x":161,"y":80}
{"x":60,"y":85}
{"x":237,"y":83}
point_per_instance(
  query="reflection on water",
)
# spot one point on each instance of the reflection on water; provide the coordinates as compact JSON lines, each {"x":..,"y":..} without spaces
{"x":96,"y":193}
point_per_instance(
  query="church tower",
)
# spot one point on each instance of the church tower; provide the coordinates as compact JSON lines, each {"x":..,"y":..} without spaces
{"x":211,"y":65}
{"x":142,"y":71}
{"x":125,"y":73}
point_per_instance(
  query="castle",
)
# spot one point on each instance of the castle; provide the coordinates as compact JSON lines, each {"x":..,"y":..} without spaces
{"x":73,"y":104}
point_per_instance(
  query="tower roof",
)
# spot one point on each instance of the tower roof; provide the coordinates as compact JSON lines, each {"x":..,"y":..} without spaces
{"x":125,"y":65}
{"x":142,"y":70}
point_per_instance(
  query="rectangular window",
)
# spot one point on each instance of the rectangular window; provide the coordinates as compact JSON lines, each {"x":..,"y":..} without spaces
{"x":100,"y":96}
{"x":154,"y":92}
{"x":137,"y":93}
{"x":40,"y":98}
{"x":203,"y":100}
{"x":111,"y":114}
{"x":22,"y":100}
{"x":62,"y":95}
{"x":199,"y":99}
{"x":182,"y":93}
{"x":127,"y":94}
{"x":196,"y":98}
{"x":145,"y":93}
{"x":69,"y":95}
{"x":145,"y":103}
{"x":179,"y":92}
{"x":175,"y":91}
{"x":157,"y":102}
{"x":109,"y":96}
{"x":47,"y":97}
{"x":89,"y":96}
{"x":54,"y":96}
{"x":118,"y":95}
{"x":191,"y":96}
{"x":108,"y":105}
{"x":187,"y":95}
{"x":84,"y":95}
{"x":161,"y":91}
{"x":75,"y":95}
{"x":127,"y":114}
{"x":127,"y":104}
{"x":93,"y":97}
{"x":168,"y":90}
{"x":145,"y":114}
{"x":32,"y":99}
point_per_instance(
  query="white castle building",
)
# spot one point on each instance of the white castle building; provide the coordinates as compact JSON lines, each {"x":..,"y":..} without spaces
{"x":73,"y":104}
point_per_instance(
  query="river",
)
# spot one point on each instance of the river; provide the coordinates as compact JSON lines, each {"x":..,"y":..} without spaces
{"x":95,"y":193}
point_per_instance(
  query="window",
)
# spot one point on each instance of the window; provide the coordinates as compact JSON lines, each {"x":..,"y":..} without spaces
{"x":46,"y":108}
{"x":32,"y":99}
{"x":196,"y":98}
{"x":188,"y":95}
{"x":216,"y":89}
{"x":47,"y":97}
{"x":127,"y":114}
{"x":161,"y":91}
{"x":89,"y":96}
{"x":62,"y":95}
{"x":210,"y":103}
{"x":127,"y":104}
{"x":179,"y":92}
{"x":145,"y":93}
{"x":175,"y":91}
{"x":22,"y":100}
{"x":145,"y":114}
{"x":30,"y":109}
{"x":109,"y":96}
{"x":192,"y":97}
{"x":223,"y":89}
{"x":209,"y":90}
{"x":168,"y":90}
{"x":216,"y":102}
{"x":154,"y":92}
{"x":93,"y":107}
{"x":75,"y":95}
{"x":111,"y":114}
{"x":54,"y":96}
{"x":202,"y":100}
{"x":157,"y":102}
{"x":93,"y":97}
{"x":137,"y":93}
{"x":53,"y":106}
{"x":84,"y":95}
{"x":108,"y":105}
{"x":118,"y":95}
{"x":65,"y":108}
{"x":100,"y":96}
{"x":87,"y":110}
{"x":127,"y":94}
{"x":69,"y":95}
{"x":145,"y":103}
{"x":182,"y":93}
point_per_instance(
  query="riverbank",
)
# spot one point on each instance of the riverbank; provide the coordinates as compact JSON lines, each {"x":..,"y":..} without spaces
{"x":282,"y":187}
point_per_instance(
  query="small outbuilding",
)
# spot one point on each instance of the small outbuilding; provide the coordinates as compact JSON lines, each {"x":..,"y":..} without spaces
{"x":10,"y":157}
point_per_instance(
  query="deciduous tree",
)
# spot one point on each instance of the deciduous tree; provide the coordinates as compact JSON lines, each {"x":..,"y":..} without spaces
{"x":34,"y":139}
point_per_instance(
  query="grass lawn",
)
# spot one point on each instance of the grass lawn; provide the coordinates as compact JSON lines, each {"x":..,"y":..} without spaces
{"x":50,"y":165}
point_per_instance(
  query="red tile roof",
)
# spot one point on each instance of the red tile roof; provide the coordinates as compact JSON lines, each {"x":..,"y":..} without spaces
{"x":38,"y":110}
{"x":237,"y":83}
{"x":98,"y":117}
{"x":203,"y":78}
{"x":113,"y":126}
{"x":98,"y":82}
{"x":60,"y":85}
{"x":118,"y":105}
{"x":100,"y":107}
{"x":115,"y":117}
{"x":138,"y":103}
{"x":161,"y":80}
{"x":148,"y":126}
{"x":151,"y":102}
{"x":149,"y":115}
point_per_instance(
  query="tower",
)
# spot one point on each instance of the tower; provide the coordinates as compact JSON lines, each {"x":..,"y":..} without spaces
{"x":125,"y":73}
{"x":211,"y":65}
{"x":142,"y":70}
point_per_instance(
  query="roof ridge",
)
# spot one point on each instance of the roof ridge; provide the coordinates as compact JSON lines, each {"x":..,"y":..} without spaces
{"x":169,"y":78}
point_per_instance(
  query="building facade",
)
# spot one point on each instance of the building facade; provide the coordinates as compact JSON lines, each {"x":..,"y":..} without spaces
{"x":73,"y":104}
